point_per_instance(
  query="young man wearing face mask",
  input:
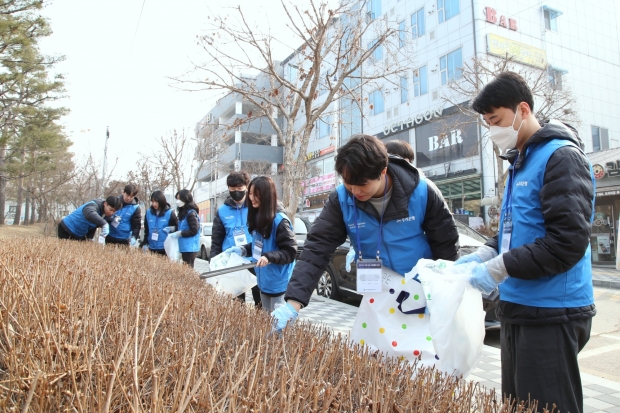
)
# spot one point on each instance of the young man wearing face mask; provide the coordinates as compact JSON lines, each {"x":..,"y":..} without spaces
{"x":230,"y":225}
{"x":541,"y":257}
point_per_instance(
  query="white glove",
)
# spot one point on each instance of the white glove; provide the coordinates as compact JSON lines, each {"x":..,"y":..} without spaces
{"x":105,"y":230}
{"x":133,"y":242}
{"x":101,"y":239}
{"x":349,"y":259}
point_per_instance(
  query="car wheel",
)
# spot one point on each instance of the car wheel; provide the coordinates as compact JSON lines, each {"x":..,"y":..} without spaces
{"x":327,"y":286}
{"x":203,"y":253}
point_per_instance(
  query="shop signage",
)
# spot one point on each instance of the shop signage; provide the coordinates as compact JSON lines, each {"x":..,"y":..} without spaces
{"x":411,"y":122}
{"x":613,"y":168}
{"x":320,"y":183}
{"x":316,"y":201}
{"x":599,"y":171}
{"x":491,"y":15}
{"x":446,"y":140}
{"x":519,"y":52}
{"x":320,"y":152}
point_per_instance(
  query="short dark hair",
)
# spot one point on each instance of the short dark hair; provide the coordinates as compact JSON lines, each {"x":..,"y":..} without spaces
{"x":261,"y":218}
{"x":362,"y":158}
{"x":507,"y":90}
{"x":160,"y":198}
{"x":400,"y":148}
{"x":114,"y":202}
{"x":185,"y":195}
{"x":236,"y":179}
{"x":131,"y":190}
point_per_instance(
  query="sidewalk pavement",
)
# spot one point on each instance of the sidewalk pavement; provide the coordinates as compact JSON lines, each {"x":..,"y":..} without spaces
{"x":600,"y":395}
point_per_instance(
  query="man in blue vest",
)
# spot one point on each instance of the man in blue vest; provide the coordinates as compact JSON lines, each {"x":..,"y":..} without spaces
{"x":82,"y":223}
{"x":126,"y":223}
{"x":541,"y":257}
{"x":230,"y":225}
{"x":387,"y":208}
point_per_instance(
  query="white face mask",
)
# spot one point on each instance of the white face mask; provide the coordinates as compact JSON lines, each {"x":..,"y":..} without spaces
{"x":180,"y":203}
{"x":505,"y":137}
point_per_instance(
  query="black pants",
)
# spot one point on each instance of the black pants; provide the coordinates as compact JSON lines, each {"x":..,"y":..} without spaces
{"x":189,"y":258}
{"x":255,"y":296}
{"x":540,"y":362}
{"x":111,"y":240}
{"x":64,"y":234}
{"x":160,"y":252}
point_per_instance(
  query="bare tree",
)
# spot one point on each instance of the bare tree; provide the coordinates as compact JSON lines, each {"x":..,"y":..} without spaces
{"x":148,"y":177}
{"x":552,"y":98}
{"x":86,"y":184}
{"x":343,"y":50}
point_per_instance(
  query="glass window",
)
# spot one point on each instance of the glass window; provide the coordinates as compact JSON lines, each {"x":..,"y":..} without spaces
{"x":378,"y":53}
{"x":325,"y":127}
{"x":551,"y":20}
{"x":328,"y":165}
{"x":376,"y":102}
{"x":450,"y":66}
{"x":555,"y":78}
{"x":401,"y":34}
{"x":600,"y":138}
{"x":404,"y":90}
{"x":417,"y":23}
{"x":447,"y":9}
{"x":420,"y":83}
{"x":373,"y":7}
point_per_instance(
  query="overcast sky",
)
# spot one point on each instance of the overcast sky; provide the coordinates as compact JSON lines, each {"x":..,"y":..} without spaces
{"x":117,"y":76}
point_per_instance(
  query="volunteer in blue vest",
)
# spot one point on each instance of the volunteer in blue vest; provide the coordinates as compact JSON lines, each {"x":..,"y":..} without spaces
{"x":126,"y":223}
{"x":82,"y":223}
{"x":159,"y":221}
{"x":230,"y":225}
{"x":273,"y":244}
{"x":387,"y":208}
{"x":189,"y":227}
{"x":541,"y":257}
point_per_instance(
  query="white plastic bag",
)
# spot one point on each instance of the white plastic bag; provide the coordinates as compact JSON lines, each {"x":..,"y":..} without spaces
{"x":171,"y":245}
{"x":394,"y":320}
{"x":456,"y":314}
{"x":233,"y":283}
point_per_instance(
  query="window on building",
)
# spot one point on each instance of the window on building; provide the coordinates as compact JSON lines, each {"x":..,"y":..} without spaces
{"x":401,"y":34}
{"x":417,"y":23}
{"x":551,"y":18}
{"x":555,"y":77}
{"x":328,"y":165}
{"x":446,"y":9}
{"x":325,"y":126}
{"x":378,"y":53}
{"x":376,"y":102}
{"x":450,"y":66}
{"x":404,"y":90}
{"x":420,"y":83}
{"x":600,"y":138}
{"x":373,"y":9}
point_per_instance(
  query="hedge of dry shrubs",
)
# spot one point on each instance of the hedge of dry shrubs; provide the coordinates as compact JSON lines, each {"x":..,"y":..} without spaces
{"x":92,"y":329}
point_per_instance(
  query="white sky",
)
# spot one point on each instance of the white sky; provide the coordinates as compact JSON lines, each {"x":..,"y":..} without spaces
{"x":110,"y":83}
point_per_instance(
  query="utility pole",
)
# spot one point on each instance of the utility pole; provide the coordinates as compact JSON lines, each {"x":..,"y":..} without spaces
{"x":105,"y":158}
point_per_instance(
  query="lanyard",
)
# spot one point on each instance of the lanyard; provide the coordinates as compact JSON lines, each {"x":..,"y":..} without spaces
{"x":359,"y":248}
{"x":508,"y":203}
{"x":239,"y":210}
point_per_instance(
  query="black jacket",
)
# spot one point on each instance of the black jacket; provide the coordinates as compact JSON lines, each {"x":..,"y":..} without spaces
{"x":566,"y":201}
{"x":192,"y":220}
{"x":329,"y":230}
{"x":172,"y":222}
{"x":218,"y":233}
{"x":285,"y":241}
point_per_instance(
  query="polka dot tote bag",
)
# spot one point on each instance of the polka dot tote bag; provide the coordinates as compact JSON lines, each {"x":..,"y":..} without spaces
{"x":394,"y":320}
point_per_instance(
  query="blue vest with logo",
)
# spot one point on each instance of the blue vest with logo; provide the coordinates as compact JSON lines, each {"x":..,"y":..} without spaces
{"x":123,"y":229}
{"x":76,"y":223}
{"x":567,"y":290}
{"x":403,"y":242}
{"x":272,"y":278}
{"x":156,"y":225}
{"x":189,"y":244}
{"x":233,"y":219}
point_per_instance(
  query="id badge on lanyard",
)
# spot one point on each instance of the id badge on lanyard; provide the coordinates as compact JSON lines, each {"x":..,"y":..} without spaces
{"x":507,"y":233}
{"x":115,"y":221}
{"x":257,"y":251}
{"x":155,"y":235}
{"x":369,"y":276}
{"x":239,"y":237}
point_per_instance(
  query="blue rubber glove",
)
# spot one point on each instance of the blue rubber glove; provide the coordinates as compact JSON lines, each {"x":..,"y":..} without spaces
{"x":283,"y":315}
{"x":236,"y":250}
{"x":175,"y":234}
{"x":168,"y":230}
{"x":133,"y":242}
{"x":487,"y":276}
{"x":145,"y":248}
{"x":350,"y":258}
{"x":468,"y":258}
{"x":105,"y":230}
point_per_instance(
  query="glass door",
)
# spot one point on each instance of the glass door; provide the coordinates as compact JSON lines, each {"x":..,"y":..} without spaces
{"x":603,"y":235}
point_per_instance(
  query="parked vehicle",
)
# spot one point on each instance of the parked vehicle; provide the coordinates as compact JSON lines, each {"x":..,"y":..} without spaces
{"x":336,"y":282}
{"x":205,"y":240}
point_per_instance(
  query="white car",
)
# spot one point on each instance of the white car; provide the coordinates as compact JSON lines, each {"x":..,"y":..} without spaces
{"x":205,"y":240}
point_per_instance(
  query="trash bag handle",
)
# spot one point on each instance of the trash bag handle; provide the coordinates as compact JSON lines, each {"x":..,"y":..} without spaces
{"x":402,"y":297}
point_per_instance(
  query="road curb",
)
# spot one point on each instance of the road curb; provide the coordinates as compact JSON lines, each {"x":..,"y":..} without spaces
{"x":606,"y":284}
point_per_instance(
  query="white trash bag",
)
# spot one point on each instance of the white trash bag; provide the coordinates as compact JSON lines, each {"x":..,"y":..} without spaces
{"x":233,"y":283}
{"x":456,"y":314}
{"x":171,"y":246}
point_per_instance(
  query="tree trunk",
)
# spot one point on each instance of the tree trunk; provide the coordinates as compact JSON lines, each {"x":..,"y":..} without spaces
{"x":27,"y":210}
{"x":20,"y":191}
{"x":40,"y":211}
{"x":2,"y":184}
{"x":32,"y":211}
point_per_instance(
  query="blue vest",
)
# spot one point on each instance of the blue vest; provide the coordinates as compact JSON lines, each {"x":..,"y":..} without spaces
{"x":123,"y":229}
{"x":76,"y":223}
{"x":567,"y":290}
{"x":403,"y":242}
{"x":189,"y":244}
{"x":272,"y":278}
{"x":233,"y":219}
{"x":156,"y":224}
